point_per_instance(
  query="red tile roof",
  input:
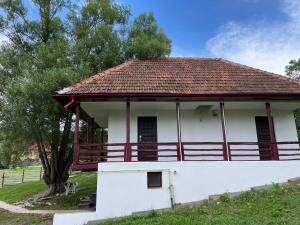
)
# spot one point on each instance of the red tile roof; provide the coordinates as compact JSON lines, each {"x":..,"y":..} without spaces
{"x":184,"y":77}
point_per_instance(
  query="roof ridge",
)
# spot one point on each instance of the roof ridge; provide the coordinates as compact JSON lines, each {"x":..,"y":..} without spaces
{"x":191,"y":57}
{"x":260,"y":70}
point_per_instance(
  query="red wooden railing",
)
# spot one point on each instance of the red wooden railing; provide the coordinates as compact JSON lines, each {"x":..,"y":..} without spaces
{"x":87,"y":156}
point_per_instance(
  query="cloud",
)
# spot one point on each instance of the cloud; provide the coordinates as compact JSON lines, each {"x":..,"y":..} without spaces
{"x":3,"y":39}
{"x":268,"y":47}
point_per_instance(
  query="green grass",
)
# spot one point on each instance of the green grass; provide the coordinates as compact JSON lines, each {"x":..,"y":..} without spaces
{"x":20,"y":192}
{"x":276,"y":206}
{"x":87,"y":183}
{"x":7,"y":218}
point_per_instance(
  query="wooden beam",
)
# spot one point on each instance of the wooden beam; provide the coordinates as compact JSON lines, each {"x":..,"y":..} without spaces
{"x":102,"y":135}
{"x":92,"y":130}
{"x":180,"y":154}
{"x":274,"y":148}
{"x":223,"y":122}
{"x":76,"y":137}
{"x":127,"y":153}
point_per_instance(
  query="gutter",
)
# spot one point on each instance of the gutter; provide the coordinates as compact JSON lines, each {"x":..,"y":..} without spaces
{"x":68,"y":105}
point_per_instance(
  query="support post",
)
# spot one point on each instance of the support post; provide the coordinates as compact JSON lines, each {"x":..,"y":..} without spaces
{"x":225,"y":143}
{"x":180,"y":154}
{"x":273,"y":146}
{"x":92,"y":130}
{"x":102,"y":135}
{"x":127,"y":153}
{"x":76,"y":137}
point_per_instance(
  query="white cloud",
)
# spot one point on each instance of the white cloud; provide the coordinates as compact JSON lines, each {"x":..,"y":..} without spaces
{"x":3,"y":39}
{"x":268,"y":47}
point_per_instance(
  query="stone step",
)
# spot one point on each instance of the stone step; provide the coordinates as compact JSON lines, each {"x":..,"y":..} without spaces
{"x":262,"y":187}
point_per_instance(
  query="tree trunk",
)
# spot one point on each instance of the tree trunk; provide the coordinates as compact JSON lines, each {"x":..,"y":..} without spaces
{"x":56,"y":188}
{"x":56,"y":167}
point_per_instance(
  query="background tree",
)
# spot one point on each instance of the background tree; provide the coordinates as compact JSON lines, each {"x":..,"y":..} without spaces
{"x":293,"y":70}
{"x":146,"y":40}
{"x":60,"y":45}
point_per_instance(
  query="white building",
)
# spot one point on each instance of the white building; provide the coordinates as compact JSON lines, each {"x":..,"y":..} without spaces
{"x":180,"y":129}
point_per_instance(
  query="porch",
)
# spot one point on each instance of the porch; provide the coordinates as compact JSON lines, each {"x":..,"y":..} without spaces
{"x":185,"y":131}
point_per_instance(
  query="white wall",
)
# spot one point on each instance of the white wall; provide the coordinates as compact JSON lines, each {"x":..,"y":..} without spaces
{"x":202,"y":126}
{"x":122,"y":187}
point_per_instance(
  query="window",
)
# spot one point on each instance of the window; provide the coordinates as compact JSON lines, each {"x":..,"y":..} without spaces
{"x":154,"y":179}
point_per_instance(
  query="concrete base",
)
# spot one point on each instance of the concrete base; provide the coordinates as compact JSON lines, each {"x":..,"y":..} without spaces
{"x":122,"y":187}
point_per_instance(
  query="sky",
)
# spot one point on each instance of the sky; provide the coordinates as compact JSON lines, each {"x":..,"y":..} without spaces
{"x":260,"y":33}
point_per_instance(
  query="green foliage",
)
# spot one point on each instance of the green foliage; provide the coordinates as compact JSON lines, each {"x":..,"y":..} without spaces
{"x":11,"y":151}
{"x":293,"y":69}
{"x":63,"y":44}
{"x":98,"y":43}
{"x":146,"y":40}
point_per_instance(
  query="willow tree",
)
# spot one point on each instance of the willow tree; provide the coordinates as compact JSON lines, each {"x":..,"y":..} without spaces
{"x":56,"y":46}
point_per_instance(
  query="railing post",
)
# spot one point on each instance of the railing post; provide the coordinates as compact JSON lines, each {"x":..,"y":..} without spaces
{"x":229,"y":151}
{"x":76,"y":136}
{"x":127,"y":153}
{"x":182,"y":152}
{"x":273,"y":144}
{"x":225,"y":144}
{"x":179,"y":152}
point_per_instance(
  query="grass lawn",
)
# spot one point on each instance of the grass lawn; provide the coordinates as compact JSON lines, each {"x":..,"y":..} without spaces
{"x":86,"y":186}
{"x":7,"y":218}
{"x":19,"y":192}
{"x":276,"y":206}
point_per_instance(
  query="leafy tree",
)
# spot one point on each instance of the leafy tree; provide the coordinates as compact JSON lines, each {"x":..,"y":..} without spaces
{"x":293,"y":70}
{"x":96,"y":29}
{"x":37,"y":63}
{"x":146,"y":40}
{"x":62,"y":44}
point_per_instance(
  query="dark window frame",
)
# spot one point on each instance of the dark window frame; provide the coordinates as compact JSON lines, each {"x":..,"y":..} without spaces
{"x":154,"y":185}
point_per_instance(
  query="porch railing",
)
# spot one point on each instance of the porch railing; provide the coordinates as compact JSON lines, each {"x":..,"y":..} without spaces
{"x":89,"y":155}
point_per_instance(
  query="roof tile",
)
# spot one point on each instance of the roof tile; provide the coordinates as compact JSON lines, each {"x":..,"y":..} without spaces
{"x":184,"y":76}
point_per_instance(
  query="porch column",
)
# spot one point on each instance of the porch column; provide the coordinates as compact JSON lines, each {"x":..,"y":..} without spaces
{"x":127,"y":153}
{"x":180,"y":153}
{"x":102,"y":135}
{"x":225,"y":144}
{"x":92,"y":130}
{"x":274,"y":150}
{"x":76,"y":137}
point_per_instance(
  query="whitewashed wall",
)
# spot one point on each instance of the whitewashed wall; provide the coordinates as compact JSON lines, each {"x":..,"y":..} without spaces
{"x":122,"y":187}
{"x":202,"y":126}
